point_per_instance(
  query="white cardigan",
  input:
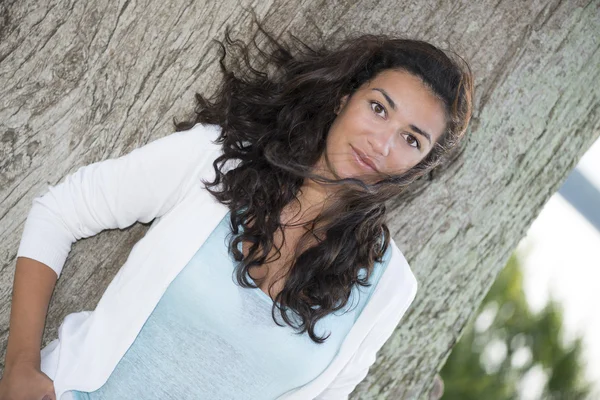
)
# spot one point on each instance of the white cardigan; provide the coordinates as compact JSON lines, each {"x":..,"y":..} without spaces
{"x":160,"y":181}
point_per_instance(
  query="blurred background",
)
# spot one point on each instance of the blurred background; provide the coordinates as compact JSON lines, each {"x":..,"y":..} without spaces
{"x":537,"y":332}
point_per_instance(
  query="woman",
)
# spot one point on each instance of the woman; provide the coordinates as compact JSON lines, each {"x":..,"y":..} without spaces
{"x":279,"y":184}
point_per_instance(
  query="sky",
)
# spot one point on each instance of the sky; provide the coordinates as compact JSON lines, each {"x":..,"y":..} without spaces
{"x":561,"y":256}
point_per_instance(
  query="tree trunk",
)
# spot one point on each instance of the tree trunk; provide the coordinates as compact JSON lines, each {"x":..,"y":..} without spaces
{"x":86,"y":81}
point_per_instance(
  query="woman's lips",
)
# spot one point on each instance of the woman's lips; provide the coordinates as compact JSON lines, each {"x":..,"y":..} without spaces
{"x":362,"y":163}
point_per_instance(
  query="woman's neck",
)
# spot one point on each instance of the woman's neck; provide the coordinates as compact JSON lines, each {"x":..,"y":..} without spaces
{"x":312,"y":198}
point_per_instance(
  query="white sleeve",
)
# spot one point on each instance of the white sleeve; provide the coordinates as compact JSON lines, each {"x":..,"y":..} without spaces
{"x":358,"y":367}
{"x":115,"y":193}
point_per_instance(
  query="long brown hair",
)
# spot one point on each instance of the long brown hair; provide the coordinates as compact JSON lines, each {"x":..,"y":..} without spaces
{"x":275,"y":119}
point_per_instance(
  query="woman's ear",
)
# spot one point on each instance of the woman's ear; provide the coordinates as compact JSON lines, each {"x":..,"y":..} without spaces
{"x":342,"y":104}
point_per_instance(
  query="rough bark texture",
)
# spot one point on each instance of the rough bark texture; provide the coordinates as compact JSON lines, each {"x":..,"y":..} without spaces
{"x":85,"y":81}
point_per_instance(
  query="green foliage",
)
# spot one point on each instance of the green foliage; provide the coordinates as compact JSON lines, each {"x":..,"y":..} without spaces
{"x":528,"y":340}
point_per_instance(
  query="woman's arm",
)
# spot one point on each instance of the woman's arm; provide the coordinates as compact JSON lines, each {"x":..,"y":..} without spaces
{"x":22,"y":377}
{"x":115,"y":193}
{"x":32,"y":288}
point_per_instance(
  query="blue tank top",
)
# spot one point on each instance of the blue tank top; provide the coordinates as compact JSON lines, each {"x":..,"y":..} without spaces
{"x":209,"y":338}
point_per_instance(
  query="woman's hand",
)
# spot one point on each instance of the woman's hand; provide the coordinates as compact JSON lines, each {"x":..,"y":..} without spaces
{"x":25,"y":381}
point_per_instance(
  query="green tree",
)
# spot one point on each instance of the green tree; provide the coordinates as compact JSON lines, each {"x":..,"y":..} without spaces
{"x":505,"y":340}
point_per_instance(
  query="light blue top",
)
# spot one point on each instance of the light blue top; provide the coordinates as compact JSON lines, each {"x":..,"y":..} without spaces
{"x":209,"y":338}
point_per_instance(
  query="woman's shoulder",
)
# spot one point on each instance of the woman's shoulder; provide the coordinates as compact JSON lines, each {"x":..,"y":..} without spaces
{"x":194,"y":148}
{"x":183,"y":146}
{"x":200,"y":134}
{"x":402,"y":274}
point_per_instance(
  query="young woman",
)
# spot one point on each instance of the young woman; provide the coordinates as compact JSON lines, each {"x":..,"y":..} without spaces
{"x":269,"y":271}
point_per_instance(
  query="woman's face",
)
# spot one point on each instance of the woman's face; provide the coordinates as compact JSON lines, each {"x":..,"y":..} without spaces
{"x":392,"y":122}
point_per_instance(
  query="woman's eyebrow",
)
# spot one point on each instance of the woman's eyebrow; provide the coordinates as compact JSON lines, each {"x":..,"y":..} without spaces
{"x":393,"y":105}
{"x":388,"y":98}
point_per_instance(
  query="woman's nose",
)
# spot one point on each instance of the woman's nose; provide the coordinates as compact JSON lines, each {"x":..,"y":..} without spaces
{"x":382,"y":141}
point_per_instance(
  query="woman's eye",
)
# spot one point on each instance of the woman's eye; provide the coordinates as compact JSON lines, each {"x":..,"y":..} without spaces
{"x":375,"y":106}
{"x":413,"y":140}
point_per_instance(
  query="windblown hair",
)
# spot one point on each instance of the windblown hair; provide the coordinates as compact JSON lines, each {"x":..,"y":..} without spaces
{"x":274,"y":128}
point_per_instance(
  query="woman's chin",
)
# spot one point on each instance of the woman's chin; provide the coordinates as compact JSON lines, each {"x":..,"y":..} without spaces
{"x":366,"y":177}
{"x":356,"y":172}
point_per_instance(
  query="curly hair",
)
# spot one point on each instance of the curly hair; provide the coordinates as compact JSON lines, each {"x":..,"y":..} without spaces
{"x":274,"y":125}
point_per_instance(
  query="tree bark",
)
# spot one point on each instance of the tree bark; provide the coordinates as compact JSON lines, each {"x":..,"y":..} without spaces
{"x":86,"y":81}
